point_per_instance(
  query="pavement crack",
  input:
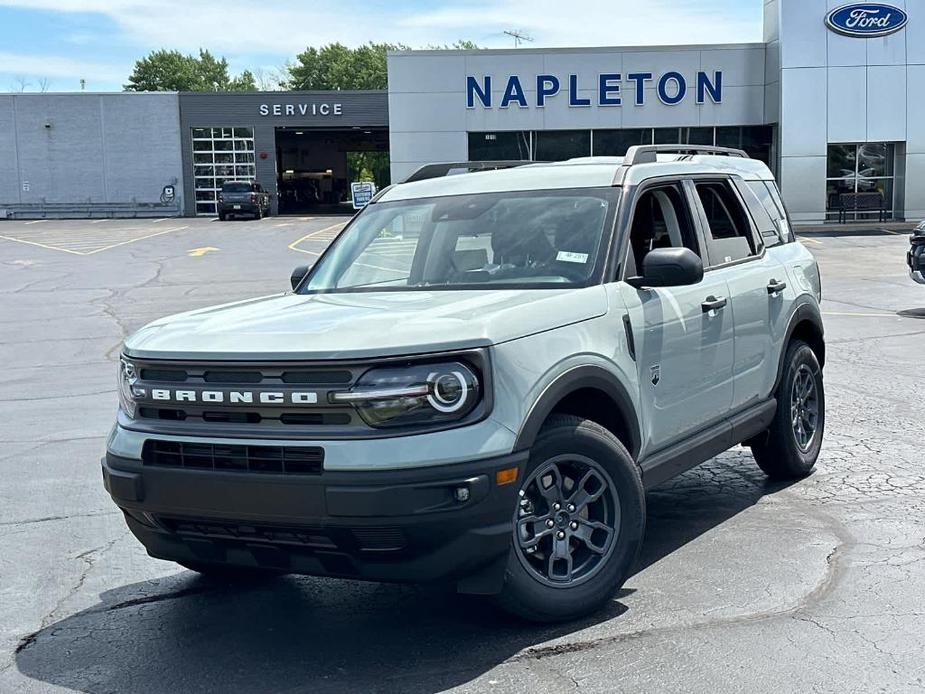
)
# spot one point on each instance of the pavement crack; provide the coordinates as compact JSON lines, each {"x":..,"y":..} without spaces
{"x":51,"y":519}
{"x":89,"y":559}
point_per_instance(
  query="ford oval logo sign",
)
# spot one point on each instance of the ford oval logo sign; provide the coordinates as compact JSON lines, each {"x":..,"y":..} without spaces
{"x":866,"y":19}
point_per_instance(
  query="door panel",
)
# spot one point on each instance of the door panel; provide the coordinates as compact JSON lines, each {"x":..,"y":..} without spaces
{"x":684,"y":353}
{"x":690,"y":351}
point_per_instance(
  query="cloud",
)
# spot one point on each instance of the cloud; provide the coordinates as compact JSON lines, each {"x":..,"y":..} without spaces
{"x":56,"y":66}
{"x":288,"y":26}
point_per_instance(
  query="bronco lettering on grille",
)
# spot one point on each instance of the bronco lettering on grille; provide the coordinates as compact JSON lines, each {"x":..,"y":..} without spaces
{"x":265,"y":397}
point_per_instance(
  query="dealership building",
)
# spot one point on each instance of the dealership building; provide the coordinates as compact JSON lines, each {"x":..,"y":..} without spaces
{"x":832,"y":99}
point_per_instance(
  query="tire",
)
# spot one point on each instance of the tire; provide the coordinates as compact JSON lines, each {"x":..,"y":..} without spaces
{"x":222,"y":216}
{"x":259,"y":213}
{"x":230,"y":574}
{"x":783,"y":452}
{"x":538,"y":586}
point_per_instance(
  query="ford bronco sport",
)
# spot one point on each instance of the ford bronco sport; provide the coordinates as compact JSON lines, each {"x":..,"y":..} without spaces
{"x":478,"y":380}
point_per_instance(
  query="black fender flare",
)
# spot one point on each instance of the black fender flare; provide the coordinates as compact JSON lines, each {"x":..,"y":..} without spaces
{"x":578,"y":378}
{"x":805,"y":312}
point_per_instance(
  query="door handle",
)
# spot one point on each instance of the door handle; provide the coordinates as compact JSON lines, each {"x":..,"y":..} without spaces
{"x":713,"y":303}
{"x":775,"y":287}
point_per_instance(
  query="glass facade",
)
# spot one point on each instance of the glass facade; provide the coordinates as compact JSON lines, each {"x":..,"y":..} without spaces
{"x":558,"y":145}
{"x":860,"y":168}
{"x":219,"y":155}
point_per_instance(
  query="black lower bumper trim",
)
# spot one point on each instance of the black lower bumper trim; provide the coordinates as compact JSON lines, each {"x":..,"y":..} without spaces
{"x":402,"y":525}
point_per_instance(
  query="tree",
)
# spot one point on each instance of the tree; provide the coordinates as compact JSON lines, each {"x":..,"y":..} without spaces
{"x":165,"y":70}
{"x":337,"y":67}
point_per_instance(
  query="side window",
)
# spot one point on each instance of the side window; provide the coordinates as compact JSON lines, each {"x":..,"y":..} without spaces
{"x":782,"y":217}
{"x":760,"y":210}
{"x":730,"y":235}
{"x":661,"y":219}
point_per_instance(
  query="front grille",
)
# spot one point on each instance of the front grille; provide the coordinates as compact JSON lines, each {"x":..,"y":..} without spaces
{"x":233,"y":407}
{"x":372,"y":539}
{"x":286,"y":460}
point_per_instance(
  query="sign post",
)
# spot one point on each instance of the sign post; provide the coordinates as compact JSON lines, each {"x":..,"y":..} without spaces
{"x":362,"y":192}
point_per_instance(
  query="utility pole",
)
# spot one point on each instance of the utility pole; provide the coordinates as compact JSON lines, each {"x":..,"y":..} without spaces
{"x":518,"y":36}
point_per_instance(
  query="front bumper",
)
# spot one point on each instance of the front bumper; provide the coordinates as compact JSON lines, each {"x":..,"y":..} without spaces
{"x":397,"y":525}
{"x":915,"y":258}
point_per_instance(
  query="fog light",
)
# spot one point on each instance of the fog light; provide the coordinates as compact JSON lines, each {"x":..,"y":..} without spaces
{"x":462,"y":494}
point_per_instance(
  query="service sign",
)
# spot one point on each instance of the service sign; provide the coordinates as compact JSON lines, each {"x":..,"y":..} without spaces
{"x":362,"y":192}
{"x":866,"y":19}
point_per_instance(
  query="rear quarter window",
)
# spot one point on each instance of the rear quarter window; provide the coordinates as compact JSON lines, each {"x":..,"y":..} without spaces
{"x":762,"y":210}
{"x":770,"y":198}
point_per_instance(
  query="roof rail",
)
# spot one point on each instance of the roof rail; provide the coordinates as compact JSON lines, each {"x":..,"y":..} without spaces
{"x":648,"y":154}
{"x":449,"y":169}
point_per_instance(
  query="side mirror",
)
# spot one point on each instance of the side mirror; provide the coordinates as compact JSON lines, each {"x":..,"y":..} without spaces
{"x":295,"y":279}
{"x":669,"y":267}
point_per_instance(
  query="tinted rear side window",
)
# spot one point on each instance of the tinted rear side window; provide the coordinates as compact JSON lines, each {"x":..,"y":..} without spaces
{"x":730,"y":234}
{"x":770,"y":197}
{"x":761,"y":210}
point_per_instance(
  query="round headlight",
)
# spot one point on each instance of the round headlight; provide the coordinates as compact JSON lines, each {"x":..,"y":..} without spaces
{"x":448,"y":391}
{"x":415,"y":394}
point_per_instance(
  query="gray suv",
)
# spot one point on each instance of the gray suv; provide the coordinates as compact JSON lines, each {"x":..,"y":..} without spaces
{"x":479,"y":379}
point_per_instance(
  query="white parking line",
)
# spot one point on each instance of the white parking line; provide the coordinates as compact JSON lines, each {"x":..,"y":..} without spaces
{"x":100,"y":221}
{"x":37,"y":221}
{"x":162,"y":219}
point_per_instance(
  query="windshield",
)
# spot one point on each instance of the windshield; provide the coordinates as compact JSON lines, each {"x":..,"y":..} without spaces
{"x":534,"y":239}
{"x":236,"y":188}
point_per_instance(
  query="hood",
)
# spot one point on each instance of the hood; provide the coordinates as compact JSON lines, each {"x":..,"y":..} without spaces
{"x":361,"y":325}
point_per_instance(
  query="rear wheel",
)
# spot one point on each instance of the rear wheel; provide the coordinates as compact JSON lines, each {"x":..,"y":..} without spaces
{"x":259,"y":213}
{"x":578,"y":526}
{"x":791,"y":445}
{"x":222,"y":216}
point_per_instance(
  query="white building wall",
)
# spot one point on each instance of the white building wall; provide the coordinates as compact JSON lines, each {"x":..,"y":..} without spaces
{"x":842,"y":89}
{"x":429,"y":121}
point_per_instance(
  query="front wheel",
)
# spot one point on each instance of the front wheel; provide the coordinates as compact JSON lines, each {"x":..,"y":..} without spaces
{"x":578,"y":526}
{"x":791,"y":445}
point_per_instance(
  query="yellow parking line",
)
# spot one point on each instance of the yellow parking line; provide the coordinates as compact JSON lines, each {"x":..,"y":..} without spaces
{"x":897,"y":233}
{"x":803,"y":238}
{"x":140,"y":238}
{"x":292,"y":246}
{"x":42,"y":245}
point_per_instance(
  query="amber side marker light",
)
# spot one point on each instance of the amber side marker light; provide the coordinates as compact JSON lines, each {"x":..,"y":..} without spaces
{"x":506,"y":476}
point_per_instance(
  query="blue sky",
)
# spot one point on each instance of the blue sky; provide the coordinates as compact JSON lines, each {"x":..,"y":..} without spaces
{"x":58,"y":42}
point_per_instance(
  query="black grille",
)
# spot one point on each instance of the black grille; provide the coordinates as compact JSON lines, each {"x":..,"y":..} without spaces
{"x":371,"y":539}
{"x":287,"y":460}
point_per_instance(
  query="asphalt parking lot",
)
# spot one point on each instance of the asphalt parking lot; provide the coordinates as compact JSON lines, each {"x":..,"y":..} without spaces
{"x":742,"y":586}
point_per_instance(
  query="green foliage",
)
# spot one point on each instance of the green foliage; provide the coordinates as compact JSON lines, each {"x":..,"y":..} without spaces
{"x":337,"y":67}
{"x":165,"y":70}
{"x":369,"y":166}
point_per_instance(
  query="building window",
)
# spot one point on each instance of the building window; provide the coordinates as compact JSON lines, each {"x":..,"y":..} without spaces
{"x":499,"y":146}
{"x":860,"y":168}
{"x":219,"y":155}
{"x":614,"y":143}
{"x":559,"y":145}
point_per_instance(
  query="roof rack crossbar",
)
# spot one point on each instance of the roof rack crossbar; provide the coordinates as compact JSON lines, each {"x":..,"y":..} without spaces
{"x":648,"y":154}
{"x":446,"y":169}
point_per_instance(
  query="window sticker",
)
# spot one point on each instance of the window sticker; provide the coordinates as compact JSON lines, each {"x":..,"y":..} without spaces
{"x":569,"y":257}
